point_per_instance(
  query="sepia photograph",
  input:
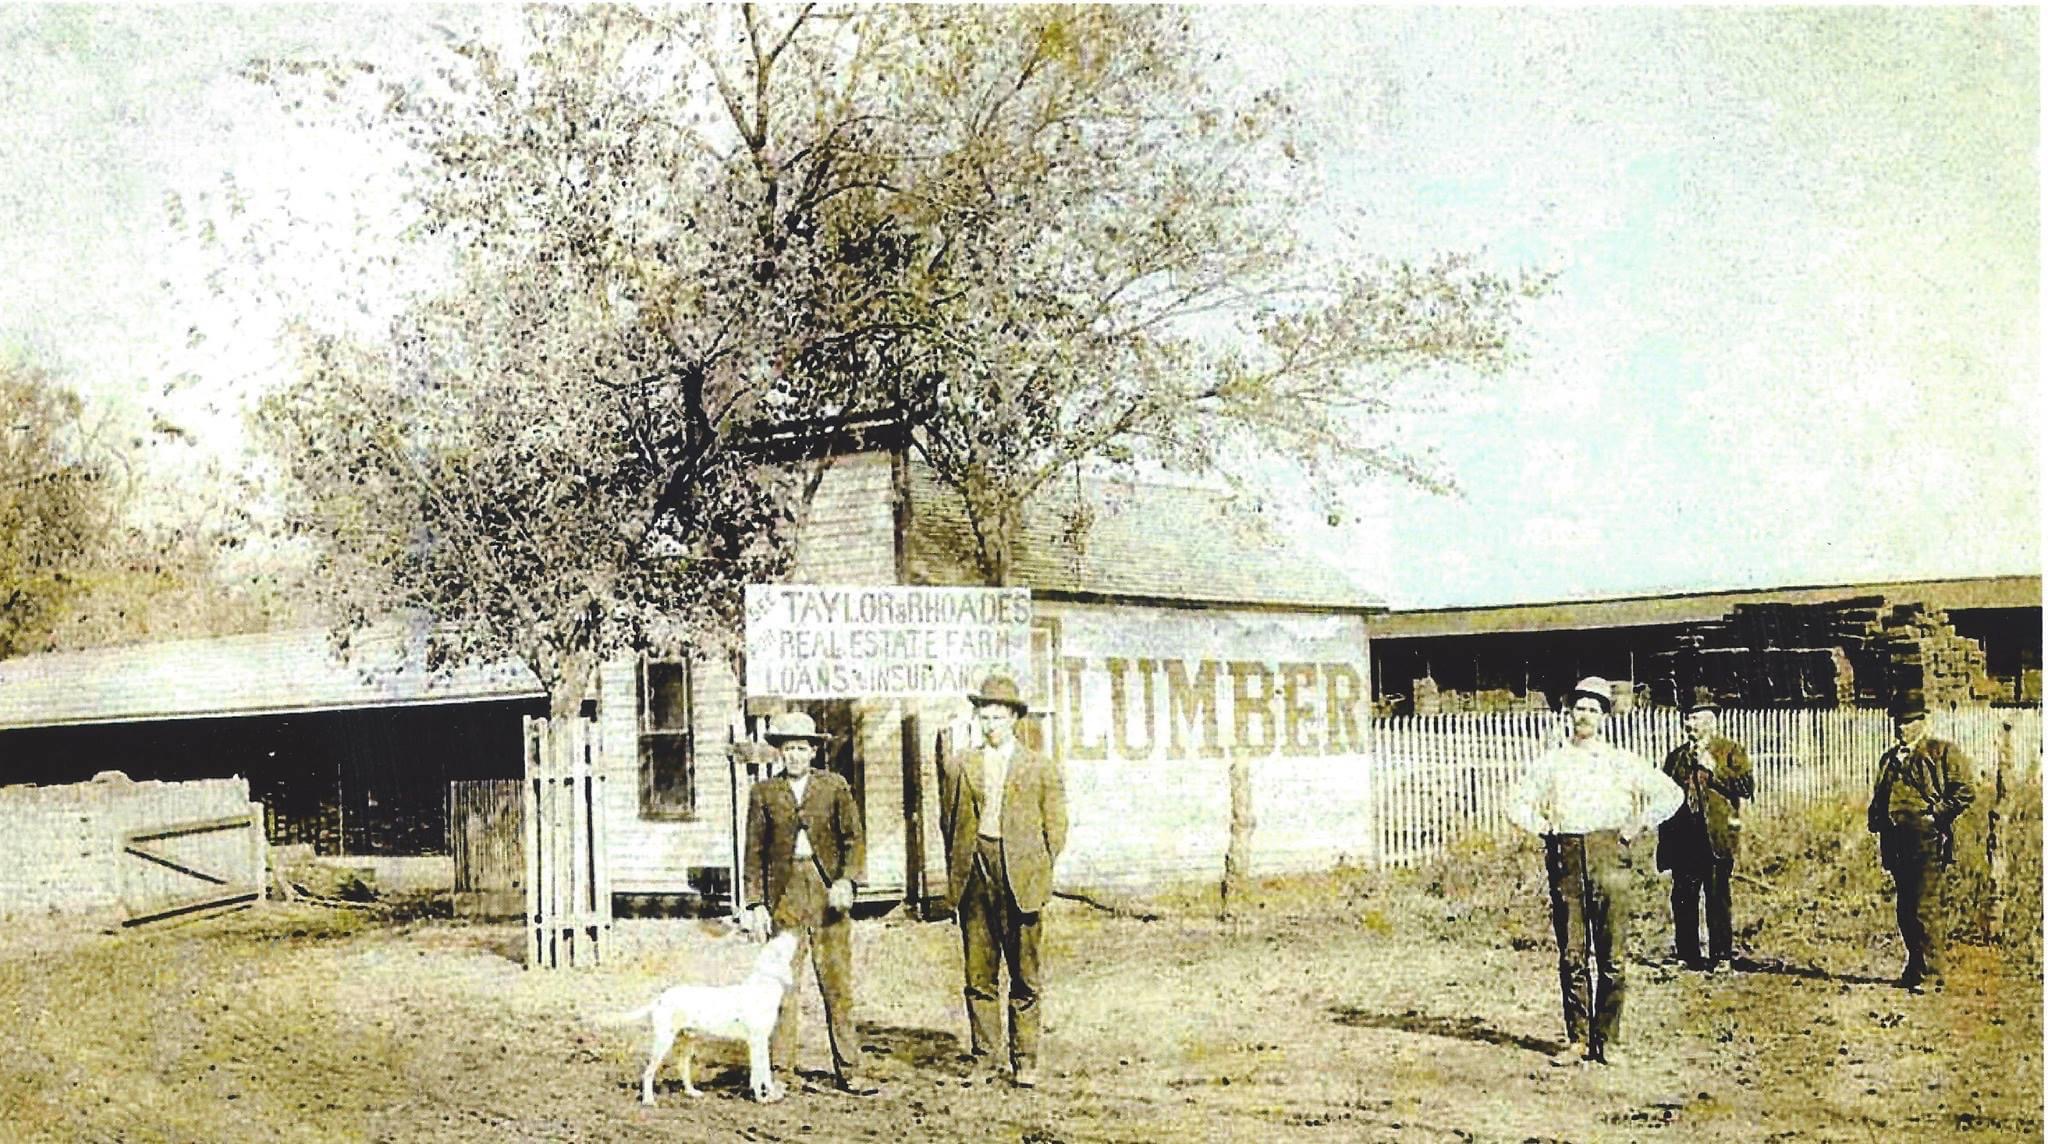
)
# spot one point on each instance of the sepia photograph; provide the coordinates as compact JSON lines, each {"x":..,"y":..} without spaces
{"x":1038,"y":573}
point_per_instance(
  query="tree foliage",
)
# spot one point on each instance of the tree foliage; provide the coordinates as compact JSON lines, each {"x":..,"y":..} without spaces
{"x":90,"y":554}
{"x":1038,"y":236}
{"x":54,"y":510}
{"x":1113,"y":272}
{"x":552,"y":451}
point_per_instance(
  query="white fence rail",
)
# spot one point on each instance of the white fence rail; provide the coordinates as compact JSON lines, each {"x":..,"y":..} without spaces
{"x":1437,"y":778}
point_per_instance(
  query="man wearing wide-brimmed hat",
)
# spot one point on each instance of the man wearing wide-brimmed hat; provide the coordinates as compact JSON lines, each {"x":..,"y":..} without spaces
{"x":804,"y":857}
{"x":1922,"y":788}
{"x":1698,"y":843}
{"x":1003,"y":815}
{"x":1590,"y":800}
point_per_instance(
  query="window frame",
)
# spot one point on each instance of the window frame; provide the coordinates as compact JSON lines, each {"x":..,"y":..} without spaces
{"x":653,"y":807}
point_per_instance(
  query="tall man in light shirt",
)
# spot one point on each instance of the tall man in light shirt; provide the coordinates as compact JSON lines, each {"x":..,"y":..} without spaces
{"x":1590,"y":800}
{"x":1003,"y":815}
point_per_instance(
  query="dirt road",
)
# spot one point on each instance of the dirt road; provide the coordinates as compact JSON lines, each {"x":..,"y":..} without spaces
{"x":1374,"y":1010}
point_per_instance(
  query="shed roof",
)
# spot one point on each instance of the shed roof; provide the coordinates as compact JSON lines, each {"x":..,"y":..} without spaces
{"x":1695,"y":607}
{"x":1151,"y":542}
{"x":264,"y":674}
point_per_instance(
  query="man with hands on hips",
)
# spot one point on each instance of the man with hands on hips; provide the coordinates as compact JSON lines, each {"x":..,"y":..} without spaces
{"x":1590,"y":800}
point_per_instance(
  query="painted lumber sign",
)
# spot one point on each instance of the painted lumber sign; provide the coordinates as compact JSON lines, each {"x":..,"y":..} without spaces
{"x":808,"y":641}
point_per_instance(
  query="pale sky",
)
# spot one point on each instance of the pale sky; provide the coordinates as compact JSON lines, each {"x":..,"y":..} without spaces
{"x":1795,"y":336}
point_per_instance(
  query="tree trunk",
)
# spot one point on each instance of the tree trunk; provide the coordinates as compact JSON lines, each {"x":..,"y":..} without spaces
{"x":1237,"y":859}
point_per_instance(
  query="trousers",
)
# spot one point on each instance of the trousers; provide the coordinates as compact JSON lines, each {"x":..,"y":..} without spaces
{"x":1590,"y":878}
{"x":1689,"y":882}
{"x":1919,"y":867}
{"x":992,"y":928}
{"x":825,"y":936}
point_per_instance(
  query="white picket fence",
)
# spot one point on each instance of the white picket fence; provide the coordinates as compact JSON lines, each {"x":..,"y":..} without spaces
{"x":1437,"y":778}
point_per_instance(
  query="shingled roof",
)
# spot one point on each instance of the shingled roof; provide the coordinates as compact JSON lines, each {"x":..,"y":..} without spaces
{"x":1151,"y":542}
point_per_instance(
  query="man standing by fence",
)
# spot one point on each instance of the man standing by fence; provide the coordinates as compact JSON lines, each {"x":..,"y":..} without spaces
{"x":1698,"y":843}
{"x":1590,"y":800}
{"x":1922,"y":789}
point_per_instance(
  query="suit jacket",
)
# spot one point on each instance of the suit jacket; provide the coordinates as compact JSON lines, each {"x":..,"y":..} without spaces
{"x":828,"y":814}
{"x":1694,"y":836}
{"x":1935,"y":784}
{"x":1034,"y":826}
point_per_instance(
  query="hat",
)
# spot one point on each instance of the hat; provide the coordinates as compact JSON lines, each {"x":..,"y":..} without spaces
{"x":1000,"y":689}
{"x":1699,"y":699}
{"x":1909,"y":704}
{"x":1595,"y":687}
{"x":793,"y":725}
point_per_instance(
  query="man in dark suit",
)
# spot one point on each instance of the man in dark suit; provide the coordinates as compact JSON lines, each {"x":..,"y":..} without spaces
{"x":1698,"y":843}
{"x":804,"y":856}
{"x":1922,"y":788}
{"x":1003,"y":814}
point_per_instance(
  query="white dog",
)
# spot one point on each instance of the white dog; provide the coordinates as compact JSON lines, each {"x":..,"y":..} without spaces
{"x":744,"y":1012}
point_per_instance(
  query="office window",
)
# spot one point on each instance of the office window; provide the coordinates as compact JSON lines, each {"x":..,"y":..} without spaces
{"x":668,"y":772}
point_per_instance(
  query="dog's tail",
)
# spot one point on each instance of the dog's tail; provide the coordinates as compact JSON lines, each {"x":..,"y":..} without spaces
{"x":633,"y":1018}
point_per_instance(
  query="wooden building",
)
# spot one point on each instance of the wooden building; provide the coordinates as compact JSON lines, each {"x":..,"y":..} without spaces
{"x":1168,"y":637}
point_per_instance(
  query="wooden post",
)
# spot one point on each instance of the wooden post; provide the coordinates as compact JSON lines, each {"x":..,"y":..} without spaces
{"x":736,"y":770}
{"x":529,"y":805}
{"x":1237,"y":857}
{"x":915,"y":895}
{"x":1995,"y":859}
{"x":259,"y":854}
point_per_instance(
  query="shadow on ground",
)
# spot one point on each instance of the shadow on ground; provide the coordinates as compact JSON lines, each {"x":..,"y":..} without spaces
{"x":915,"y":1048}
{"x":1459,"y":1028}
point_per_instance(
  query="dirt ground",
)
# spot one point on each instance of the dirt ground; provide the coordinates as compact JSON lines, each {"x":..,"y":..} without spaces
{"x":1355,"y":1006}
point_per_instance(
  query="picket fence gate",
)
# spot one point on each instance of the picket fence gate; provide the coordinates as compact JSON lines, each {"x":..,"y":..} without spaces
{"x":568,"y":884}
{"x":1437,"y":778}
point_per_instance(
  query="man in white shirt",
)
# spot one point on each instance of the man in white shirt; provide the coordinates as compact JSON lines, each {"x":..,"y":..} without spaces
{"x":1590,"y":800}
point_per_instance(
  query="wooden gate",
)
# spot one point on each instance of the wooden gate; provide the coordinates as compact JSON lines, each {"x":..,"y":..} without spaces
{"x":183,"y":869}
{"x":486,"y":828}
{"x":568,"y":883}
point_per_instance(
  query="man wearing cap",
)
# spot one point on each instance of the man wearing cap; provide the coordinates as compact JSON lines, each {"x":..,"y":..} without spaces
{"x":1698,"y":843}
{"x":804,"y":856}
{"x":1003,"y":815}
{"x":1922,"y":788}
{"x":1589,"y":800}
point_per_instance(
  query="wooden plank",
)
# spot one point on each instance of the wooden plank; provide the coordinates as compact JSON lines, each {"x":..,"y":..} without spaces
{"x":188,"y":871}
{"x":529,"y":799}
{"x":230,"y":822}
{"x":191,"y":908}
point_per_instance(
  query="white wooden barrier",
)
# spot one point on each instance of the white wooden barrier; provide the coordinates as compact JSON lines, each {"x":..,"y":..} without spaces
{"x":568,"y":886}
{"x":1437,"y":778}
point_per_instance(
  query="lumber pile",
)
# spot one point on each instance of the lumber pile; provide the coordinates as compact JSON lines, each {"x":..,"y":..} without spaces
{"x":1859,"y":650}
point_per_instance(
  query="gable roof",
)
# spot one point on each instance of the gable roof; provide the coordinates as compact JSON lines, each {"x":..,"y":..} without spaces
{"x":269,"y":673}
{"x":1150,"y":542}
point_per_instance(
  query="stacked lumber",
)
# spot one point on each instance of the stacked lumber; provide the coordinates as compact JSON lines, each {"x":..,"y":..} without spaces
{"x":1863,"y":649}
